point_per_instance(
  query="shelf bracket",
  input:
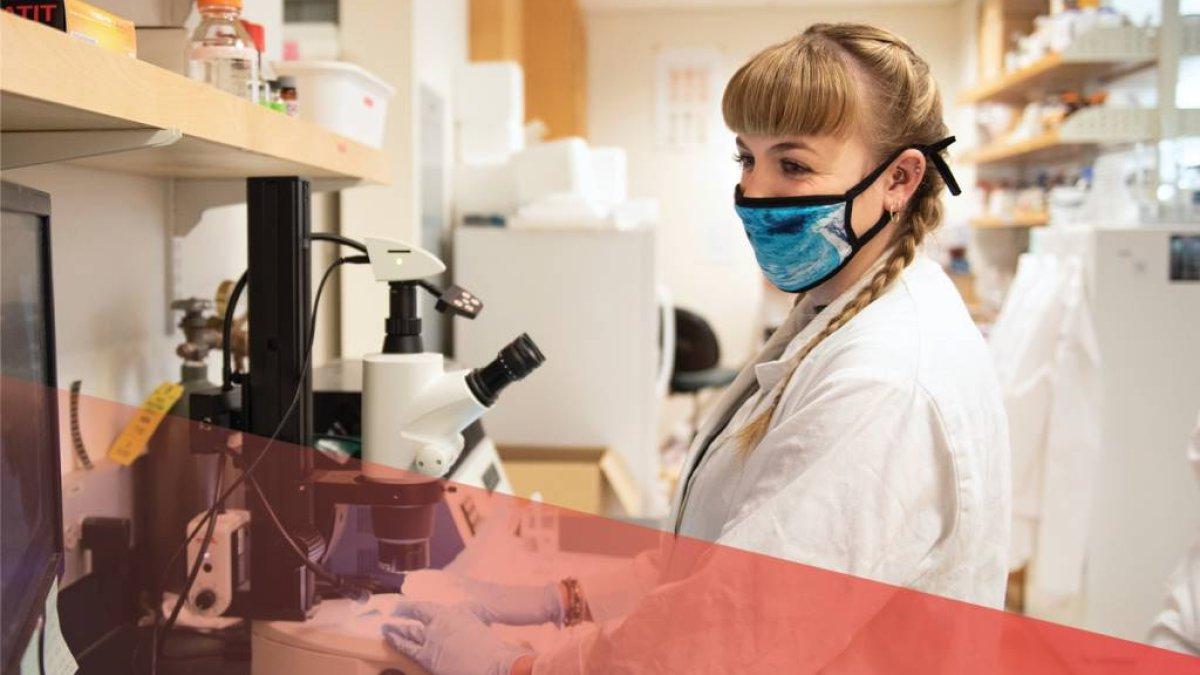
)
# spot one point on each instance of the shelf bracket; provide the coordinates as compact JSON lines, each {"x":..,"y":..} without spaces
{"x":193,"y":196}
{"x":27,"y":148}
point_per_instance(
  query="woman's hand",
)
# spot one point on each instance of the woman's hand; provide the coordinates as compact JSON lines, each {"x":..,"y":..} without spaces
{"x":450,"y":640}
{"x":492,"y":603}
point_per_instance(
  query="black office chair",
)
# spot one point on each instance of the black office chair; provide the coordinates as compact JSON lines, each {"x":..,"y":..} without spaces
{"x":697,"y":359}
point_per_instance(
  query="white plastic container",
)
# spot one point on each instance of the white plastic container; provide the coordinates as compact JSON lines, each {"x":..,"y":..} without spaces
{"x":561,"y":166}
{"x":485,"y":143}
{"x":485,"y":189}
{"x":342,"y":97}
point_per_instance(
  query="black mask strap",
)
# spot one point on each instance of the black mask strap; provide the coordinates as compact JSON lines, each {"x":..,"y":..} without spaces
{"x":934,"y":153}
{"x":931,"y":152}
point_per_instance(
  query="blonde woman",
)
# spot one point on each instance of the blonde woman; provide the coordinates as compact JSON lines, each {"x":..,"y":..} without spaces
{"x":868,"y":436}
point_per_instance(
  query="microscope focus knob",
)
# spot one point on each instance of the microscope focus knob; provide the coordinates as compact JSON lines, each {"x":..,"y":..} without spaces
{"x":204,"y":600}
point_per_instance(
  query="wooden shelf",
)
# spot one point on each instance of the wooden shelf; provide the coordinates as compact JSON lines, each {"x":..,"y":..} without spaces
{"x":1100,"y":53}
{"x":1085,"y":129}
{"x":1046,"y":146}
{"x":51,"y":83}
{"x":1022,"y":220}
{"x":1049,"y":74}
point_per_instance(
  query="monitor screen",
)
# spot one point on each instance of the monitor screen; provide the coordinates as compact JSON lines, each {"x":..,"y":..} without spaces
{"x":30,"y":494}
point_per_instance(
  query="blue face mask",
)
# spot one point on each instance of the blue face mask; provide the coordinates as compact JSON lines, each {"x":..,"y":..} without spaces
{"x":801,"y":242}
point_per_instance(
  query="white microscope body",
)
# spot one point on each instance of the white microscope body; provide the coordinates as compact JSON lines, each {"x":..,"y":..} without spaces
{"x":413,"y":410}
{"x":422,"y":436}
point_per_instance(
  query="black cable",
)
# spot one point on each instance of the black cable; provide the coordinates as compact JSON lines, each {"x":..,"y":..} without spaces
{"x":324,"y":574}
{"x":157,"y":642}
{"x":239,"y":287}
{"x":338,"y":239}
{"x":291,"y":406}
{"x":295,"y":398}
{"x":246,"y":474}
{"x":227,"y":332}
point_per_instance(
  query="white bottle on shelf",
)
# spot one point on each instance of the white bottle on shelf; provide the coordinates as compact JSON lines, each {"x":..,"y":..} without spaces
{"x":221,"y":52}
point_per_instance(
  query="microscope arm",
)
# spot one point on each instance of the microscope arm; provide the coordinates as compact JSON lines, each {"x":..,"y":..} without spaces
{"x":436,"y":429}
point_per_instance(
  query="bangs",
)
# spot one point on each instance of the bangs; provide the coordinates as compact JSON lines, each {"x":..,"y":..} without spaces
{"x":800,"y":87}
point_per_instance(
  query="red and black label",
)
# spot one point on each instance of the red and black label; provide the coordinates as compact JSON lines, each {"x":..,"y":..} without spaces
{"x":53,"y":14}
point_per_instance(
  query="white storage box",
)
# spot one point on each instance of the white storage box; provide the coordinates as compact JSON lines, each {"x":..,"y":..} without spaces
{"x":485,"y":190}
{"x":491,"y":91}
{"x":562,"y":166}
{"x":609,"y":167}
{"x":635,"y":213}
{"x":342,"y":97}
{"x":559,"y":211}
{"x":484,"y":142}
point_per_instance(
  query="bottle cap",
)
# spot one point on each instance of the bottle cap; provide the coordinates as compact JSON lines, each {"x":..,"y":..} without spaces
{"x":236,"y":4}
{"x":287,"y":82}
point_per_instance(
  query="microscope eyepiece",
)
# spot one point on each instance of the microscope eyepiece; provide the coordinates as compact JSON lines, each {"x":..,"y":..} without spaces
{"x":514,"y":362}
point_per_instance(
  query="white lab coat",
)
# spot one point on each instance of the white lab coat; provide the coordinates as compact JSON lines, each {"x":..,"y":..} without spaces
{"x":1178,"y":626}
{"x":887,"y":457}
{"x":1048,"y":361}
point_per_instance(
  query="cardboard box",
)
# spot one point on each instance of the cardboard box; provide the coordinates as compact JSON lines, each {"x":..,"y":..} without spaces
{"x":164,"y":47}
{"x":162,"y":13}
{"x":594,"y":480}
{"x":81,"y":21}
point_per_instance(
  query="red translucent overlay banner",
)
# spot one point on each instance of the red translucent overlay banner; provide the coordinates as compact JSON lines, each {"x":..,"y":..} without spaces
{"x":707,"y":608}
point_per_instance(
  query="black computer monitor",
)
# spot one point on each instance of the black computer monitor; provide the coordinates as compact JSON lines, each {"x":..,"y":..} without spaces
{"x":31,"y":543}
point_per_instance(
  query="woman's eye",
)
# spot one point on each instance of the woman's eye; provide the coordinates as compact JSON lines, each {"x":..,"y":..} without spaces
{"x":794,"y":169}
{"x":745,"y":161}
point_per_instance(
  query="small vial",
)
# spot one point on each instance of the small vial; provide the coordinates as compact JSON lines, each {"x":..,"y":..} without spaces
{"x":287,"y":92}
{"x":274,"y":99}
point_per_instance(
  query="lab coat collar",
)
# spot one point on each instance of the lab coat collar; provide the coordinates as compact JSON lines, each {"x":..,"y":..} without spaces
{"x":803,"y":323}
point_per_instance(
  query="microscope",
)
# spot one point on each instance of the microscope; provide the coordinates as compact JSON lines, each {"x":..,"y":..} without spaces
{"x":413,"y":413}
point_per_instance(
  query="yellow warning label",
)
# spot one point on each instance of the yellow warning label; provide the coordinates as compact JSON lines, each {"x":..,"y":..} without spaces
{"x":131,"y":444}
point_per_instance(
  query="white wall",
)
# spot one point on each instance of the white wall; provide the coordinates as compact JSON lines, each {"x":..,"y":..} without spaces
{"x":407,"y":43}
{"x":703,"y":252}
{"x":109,"y":239}
{"x":441,"y":48}
{"x":440,"y":41}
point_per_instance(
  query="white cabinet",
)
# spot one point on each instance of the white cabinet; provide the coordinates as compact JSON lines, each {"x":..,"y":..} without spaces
{"x":587,"y":297}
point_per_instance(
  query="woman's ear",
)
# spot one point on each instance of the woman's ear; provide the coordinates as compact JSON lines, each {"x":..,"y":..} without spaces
{"x":902,"y":179}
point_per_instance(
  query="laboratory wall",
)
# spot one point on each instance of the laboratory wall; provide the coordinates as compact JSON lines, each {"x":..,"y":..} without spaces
{"x":703,"y":253}
{"x":411,"y":44}
{"x":110,"y":258}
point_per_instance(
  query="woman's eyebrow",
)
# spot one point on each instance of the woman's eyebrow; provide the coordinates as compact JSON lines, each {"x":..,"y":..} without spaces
{"x":790,"y":145}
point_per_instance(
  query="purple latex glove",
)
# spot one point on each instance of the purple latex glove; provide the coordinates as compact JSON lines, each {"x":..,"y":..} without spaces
{"x":449,"y":640}
{"x":492,"y":603}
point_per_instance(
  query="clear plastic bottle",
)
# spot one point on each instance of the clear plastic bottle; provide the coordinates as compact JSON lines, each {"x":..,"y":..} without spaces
{"x":221,"y":52}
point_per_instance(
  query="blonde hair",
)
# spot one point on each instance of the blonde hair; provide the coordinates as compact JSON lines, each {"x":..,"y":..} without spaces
{"x":841,"y":79}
